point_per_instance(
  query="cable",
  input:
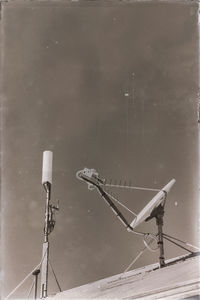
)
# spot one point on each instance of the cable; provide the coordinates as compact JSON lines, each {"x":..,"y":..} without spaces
{"x":32,"y":285}
{"x":121,"y":204}
{"x":190,"y":245}
{"x":116,"y":210}
{"x":147,"y":246}
{"x":132,"y":231}
{"x":16,"y":288}
{"x":134,"y":260}
{"x":122,"y":219}
{"x":148,"y":243}
{"x":132,"y":187}
{"x":168,"y":239}
{"x":55,"y":277}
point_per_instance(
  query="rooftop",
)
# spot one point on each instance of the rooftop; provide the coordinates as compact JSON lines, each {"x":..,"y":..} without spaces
{"x":178,"y":280}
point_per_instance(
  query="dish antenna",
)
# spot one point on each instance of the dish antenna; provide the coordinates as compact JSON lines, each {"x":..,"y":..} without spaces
{"x":154,"y":206}
{"x":154,"y":209}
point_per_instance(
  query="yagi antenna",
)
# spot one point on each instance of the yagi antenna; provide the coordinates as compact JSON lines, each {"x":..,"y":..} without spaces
{"x":155,"y":207}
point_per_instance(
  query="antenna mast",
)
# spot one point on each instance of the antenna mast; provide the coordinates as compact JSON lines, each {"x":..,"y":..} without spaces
{"x":159,"y":223}
{"x":47,"y":182}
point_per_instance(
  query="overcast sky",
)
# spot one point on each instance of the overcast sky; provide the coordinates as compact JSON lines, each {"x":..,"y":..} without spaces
{"x":111,"y":87}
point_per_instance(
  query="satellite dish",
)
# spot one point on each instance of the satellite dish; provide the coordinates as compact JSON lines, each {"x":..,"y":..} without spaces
{"x":157,"y":200}
{"x":154,"y":209}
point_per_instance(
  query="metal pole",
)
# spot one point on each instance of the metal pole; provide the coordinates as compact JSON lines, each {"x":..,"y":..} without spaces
{"x":159,"y":223}
{"x":45,"y":255}
{"x":36,"y":273}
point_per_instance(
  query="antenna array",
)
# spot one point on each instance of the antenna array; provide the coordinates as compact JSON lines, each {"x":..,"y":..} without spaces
{"x":154,"y":209}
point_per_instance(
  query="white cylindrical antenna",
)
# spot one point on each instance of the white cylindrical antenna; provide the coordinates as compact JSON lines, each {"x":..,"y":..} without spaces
{"x":47,"y":167}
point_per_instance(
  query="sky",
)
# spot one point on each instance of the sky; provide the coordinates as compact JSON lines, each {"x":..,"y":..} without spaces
{"x":105,"y":85}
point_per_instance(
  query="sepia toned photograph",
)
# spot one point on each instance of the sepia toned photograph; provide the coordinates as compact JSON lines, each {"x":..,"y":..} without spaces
{"x":99,"y":149}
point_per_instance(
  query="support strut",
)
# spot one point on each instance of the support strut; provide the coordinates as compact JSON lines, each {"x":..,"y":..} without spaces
{"x":36,"y":273}
{"x":159,"y":223}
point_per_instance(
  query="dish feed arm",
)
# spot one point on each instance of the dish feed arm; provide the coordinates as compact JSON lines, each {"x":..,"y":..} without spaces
{"x":91,"y":177}
{"x":114,"y":208}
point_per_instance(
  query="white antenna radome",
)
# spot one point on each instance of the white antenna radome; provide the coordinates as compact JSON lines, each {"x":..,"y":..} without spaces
{"x":47,"y":167}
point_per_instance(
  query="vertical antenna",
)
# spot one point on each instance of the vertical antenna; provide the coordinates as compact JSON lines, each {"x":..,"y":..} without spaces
{"x":46,"y":181}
